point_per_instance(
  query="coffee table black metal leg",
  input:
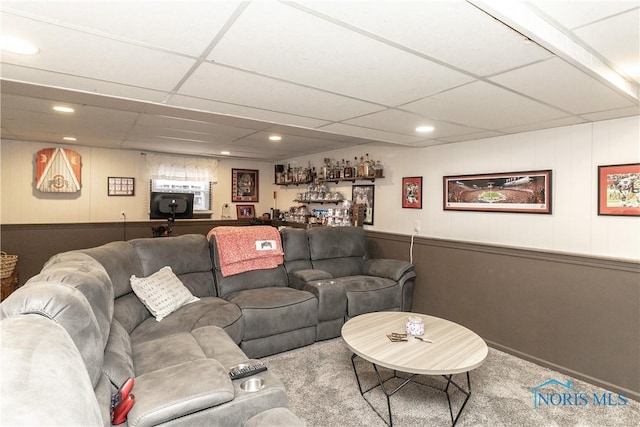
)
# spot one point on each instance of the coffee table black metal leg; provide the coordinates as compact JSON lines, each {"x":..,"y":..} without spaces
{"x":388,"y":394}
{"x":380,"y":384}
{"x":467,"y":393}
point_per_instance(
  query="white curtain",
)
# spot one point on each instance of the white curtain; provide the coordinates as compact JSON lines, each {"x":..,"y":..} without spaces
{"x":182,"y":168}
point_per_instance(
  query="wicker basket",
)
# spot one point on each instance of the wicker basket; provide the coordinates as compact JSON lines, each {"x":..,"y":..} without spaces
{"x":7,"y":264}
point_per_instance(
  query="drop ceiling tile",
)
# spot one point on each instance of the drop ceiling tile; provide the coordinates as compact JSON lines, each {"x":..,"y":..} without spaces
{"x":166,"y":24}
{"x":563,"y":121}
{"x":572,"y":14}
{"x":224,"y":84}
{"x":405,"y":123}
{"x":322,"y":55}
{"x":456,"y":33}
{"x":288,"y":142}
{"x":206,"y":130}
{"x":613,"y":114}
{"x":77,"y":83}
{"x":76,"y":53}
{"x":372,"y":134}
{"x":484,"y":106}
{"x":240,"y":111}
{"x":471,"y":136}
{"x":621,"y":47}
{"x":566,"y":87}
{"x":166,"y":146}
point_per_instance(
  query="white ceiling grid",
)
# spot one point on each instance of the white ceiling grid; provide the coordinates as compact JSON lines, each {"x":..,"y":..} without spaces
{"x":201,"y":77}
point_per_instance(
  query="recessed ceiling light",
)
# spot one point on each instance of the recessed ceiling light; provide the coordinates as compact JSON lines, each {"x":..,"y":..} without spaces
{"x":70,"y":138}
{"x":275,"y":138}
{"x":63,"y":109}
{"x":225,"y":153}
{"x":424,"y":129}
{"x":17,"y":45}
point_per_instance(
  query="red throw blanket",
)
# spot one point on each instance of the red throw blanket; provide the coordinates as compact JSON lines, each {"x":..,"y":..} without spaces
{"x":243,"y":249}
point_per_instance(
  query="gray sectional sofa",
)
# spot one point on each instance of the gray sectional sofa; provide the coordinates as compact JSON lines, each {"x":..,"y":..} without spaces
{"x":76,"y":331}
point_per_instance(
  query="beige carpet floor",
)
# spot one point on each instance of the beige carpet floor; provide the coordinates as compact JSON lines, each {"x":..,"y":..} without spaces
{"x":323,"y":391}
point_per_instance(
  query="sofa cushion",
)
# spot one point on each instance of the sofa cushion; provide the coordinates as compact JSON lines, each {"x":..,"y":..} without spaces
{"x":340,"y":251}
{"x":118,"y":356}
{"x":187,"y":255}
{"x":209,"y":311}
{"x":271,"y":311}
{"x":130,"y":311}
{"x":167,"y":351}
{"x":162,"y":292}
{"x":42,"y":376}
{"x":175,"y":391}
{"x":366,"y":294}
{"x":120,"y":261}
{"x":69,"y":308}
{"x":275,"y":417}
{"x":275,"y":277}
{"x":88,"y":276}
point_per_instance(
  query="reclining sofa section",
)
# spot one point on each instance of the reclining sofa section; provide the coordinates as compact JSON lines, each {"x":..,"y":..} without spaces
{"x":76,"y":331}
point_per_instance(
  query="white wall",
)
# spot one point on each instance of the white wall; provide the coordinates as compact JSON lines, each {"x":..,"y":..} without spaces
{"x":573,"y":154}
{"x":22,"y":204}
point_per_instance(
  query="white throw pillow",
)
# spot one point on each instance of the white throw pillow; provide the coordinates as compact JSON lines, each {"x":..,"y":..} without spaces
{"x":162,"y":292}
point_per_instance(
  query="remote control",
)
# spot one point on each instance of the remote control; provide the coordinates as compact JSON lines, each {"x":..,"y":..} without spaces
{"x":242,"y":371}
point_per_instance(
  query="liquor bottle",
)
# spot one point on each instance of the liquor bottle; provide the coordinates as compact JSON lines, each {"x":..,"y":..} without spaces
{"x":366,"y":171}
{"x":347,"y":170}
{"x":361,"y":167}
{"x":289,"y":176}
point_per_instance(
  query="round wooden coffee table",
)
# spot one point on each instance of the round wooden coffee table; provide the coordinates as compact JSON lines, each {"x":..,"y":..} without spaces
{"x":446,"y":349}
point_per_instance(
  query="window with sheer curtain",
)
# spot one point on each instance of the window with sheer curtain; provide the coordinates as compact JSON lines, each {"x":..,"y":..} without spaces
{"x":181,"y":174}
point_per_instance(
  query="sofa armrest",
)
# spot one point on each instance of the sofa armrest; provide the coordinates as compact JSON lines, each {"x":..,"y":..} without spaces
{"x":301,"y":277}
{"x":179,"y":390}
{"x":392,"y":269}
{"x":331,"y":296}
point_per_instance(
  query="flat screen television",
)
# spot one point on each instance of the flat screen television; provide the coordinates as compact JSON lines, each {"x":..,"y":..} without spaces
{"x":171,"y":206}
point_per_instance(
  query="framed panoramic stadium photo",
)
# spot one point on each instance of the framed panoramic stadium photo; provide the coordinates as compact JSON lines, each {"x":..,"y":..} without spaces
{"x":521,"y":192}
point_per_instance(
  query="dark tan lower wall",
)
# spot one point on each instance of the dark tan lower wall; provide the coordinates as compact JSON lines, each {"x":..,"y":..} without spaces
{"x":576,"y":314}
{"x":36,"y":243}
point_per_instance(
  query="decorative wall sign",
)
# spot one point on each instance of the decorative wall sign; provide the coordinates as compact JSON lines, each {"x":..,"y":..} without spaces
{"x":619,"y":190}
{"x":412,"y":192}
{"x":523,"y":192}
{"x":121,"y":186}
{"x":58,"y":170}
{"x":244,"y":185}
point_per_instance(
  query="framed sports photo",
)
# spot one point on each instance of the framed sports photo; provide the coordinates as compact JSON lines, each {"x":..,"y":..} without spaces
{"x":520,"y":192}
{"x":244,"y":185}
{"x":245,"y":211}
{"x":364,"y":195}
{"x":121,"y":186}
{"x":619,"y":190}
{"x":412,"y":192}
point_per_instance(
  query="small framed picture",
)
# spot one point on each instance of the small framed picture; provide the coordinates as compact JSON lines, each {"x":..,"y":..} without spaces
{"x":412,"y":192}
{"x":619,"y":190}
{"x":121,"y":186}
{"x":244,"y":185}
{"x":246,"y":211}
{"x":364,"y":195}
